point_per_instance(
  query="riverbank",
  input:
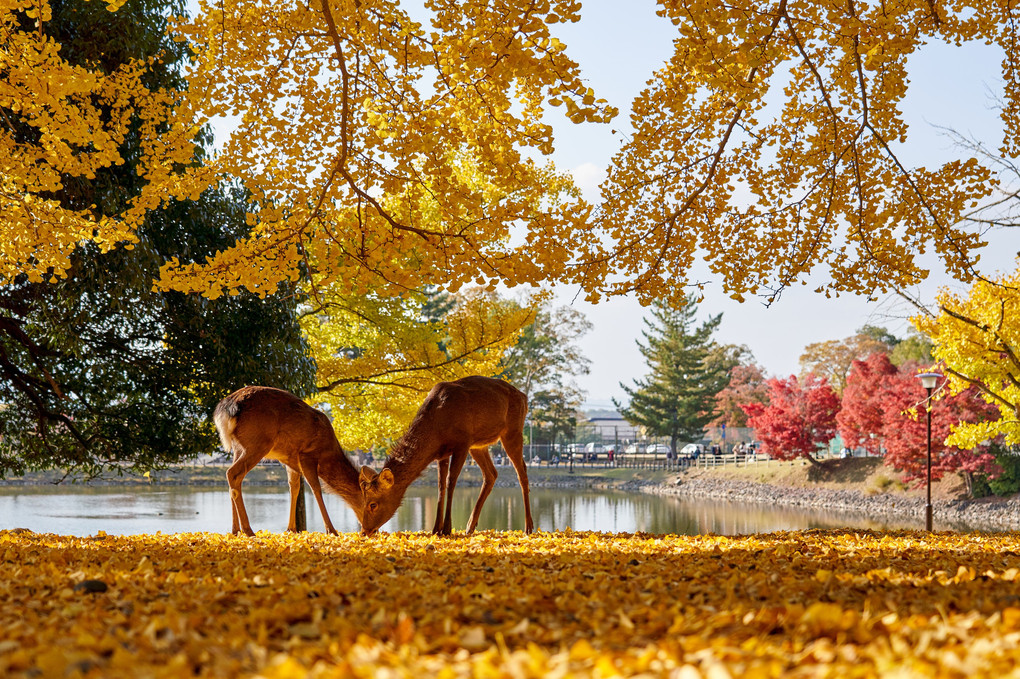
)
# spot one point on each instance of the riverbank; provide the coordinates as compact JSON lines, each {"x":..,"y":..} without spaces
{"x":864,"y":487}
{"x":858,"y":487}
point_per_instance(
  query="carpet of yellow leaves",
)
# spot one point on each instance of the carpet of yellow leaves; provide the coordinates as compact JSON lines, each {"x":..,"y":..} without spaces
{"x":501,"y":604}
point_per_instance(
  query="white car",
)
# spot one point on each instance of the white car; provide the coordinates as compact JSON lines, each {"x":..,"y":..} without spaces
{"x":691,"y":450}
{"x":633,"y":448}
{"x":658,"y":448}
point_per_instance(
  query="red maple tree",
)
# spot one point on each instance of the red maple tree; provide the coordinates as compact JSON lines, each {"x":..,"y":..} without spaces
{"x":904,"y":429}
{"x":799,"y":418}
{"x":862,"y":411}
{"x":746,"y":385}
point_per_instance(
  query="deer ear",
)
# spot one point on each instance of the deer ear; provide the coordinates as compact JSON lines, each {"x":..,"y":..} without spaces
{"x":385,"y":479}
{"x":366,"y":477}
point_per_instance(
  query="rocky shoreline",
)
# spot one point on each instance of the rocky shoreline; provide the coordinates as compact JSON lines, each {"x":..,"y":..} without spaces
{"x":992,"y":513}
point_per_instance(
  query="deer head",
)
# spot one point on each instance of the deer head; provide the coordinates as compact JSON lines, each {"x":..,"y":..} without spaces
{"x":381,"y":499}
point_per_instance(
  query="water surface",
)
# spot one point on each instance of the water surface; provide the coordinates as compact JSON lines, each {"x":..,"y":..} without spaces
{"x":84,"y":510}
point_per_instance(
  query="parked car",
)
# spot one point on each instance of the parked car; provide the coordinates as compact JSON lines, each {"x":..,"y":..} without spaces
{"x":691,"y":450}
{"x":596,"y":448}
{"x":658,"y":448}
{"x":633,"y":448}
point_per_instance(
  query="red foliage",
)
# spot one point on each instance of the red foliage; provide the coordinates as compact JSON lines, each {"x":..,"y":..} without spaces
{"x":747,"y":385}
{"x":862,"y":414}
{"x":905,"y":433}
{"x":799,"y":418}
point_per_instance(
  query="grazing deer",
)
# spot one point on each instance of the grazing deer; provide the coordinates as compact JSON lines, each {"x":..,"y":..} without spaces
{"x":457,"y":418}
{"x":262,"y":422}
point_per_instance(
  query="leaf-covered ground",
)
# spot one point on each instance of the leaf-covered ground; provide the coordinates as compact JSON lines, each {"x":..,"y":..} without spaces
{"x":499,"y":604}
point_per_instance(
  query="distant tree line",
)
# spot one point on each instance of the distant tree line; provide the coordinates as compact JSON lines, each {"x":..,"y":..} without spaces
{"x":862,"y":388}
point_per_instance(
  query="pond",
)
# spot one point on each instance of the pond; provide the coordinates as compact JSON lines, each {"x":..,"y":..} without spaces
{"x":84,"y":510}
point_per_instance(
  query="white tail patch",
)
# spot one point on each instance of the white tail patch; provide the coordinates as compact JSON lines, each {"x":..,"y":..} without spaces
{"x":225,"y":427}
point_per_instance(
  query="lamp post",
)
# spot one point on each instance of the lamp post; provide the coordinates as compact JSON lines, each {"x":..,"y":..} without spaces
{"x":928,"y":381}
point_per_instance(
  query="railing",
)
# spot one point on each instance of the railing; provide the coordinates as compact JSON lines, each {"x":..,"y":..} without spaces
{"x":703,"y":461}
{"x":660,"y":462}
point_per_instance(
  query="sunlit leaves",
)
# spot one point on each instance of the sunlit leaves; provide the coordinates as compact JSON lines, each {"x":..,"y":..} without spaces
{"x":503,"y":604}
{"x":397,"y":151}
{"x":977,"y":339}
{"x":62,"y":122}
{"x":377,"y":357}
{"x":768,"y":146}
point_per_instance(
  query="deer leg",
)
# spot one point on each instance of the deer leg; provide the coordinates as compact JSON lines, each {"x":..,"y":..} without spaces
{"x":243,"y":463}
{"x":457,"y":460}
{"x":444,"y":470}
{"x":235,"y":526}
{"x":513,"y":443}
{"x":489,"y":474}
{"x":294,"y":483}
{"x":310,"y":470}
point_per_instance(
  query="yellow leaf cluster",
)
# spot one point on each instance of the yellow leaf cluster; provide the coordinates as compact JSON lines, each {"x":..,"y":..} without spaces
{"x":976,"y":338}
{"x":377,"y":357}
{"x":567,"y":604}
{"x":395,"y":154}
{"x":72,"y":122}
{"x":768,"y":146}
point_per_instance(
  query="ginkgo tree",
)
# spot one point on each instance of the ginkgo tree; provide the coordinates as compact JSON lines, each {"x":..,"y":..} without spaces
{"x":99,"y":373}
{"x":385,"y":149}
{"x":66,"y":121}
{"x":976,"y":337}
{"x":377,"y":357}
{"x":770,"y":145}
{"x":767,"y":146}
{"x":401,"y":149}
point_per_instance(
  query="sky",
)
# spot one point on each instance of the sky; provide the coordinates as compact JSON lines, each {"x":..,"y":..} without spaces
{"x":618,"y":51}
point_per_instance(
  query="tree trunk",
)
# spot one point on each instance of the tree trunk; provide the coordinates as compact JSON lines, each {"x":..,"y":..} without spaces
{"x":301,"y":518}
{"x":968,"y":477}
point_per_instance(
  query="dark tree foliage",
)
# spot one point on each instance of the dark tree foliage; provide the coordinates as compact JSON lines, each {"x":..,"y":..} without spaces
{"x":1008,"y":482}
{"x":687,"y":370}
{"x":98,"y":371}
{"x":552,"y":416}
{"x":542,"y":364}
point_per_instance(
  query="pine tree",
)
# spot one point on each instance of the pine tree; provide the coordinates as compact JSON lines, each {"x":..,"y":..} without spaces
{"x":677,"y":398}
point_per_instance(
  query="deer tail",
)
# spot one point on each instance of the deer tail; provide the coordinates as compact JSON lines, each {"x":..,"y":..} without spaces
{"x":225,"y":417}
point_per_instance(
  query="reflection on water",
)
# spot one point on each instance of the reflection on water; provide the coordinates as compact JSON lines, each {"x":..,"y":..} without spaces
{"x":125,"y":511}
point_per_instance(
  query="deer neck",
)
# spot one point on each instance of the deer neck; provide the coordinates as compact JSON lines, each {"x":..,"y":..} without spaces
{"x":337,"y":472}
{"x":409,"y":458}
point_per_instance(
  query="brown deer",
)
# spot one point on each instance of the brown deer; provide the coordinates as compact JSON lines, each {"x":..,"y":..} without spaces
{"x":456,"y":419}
{"x":263,"y":422}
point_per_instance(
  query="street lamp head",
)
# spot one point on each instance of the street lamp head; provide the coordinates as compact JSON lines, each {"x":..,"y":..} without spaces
{"x":929,"y":380}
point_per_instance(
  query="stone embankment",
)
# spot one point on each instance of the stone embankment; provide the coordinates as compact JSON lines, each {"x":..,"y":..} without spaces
{"x":992,"y":513}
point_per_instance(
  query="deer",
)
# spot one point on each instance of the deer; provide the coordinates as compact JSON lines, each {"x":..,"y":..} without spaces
{"x":456,"y":419}
{"x":257,"y":423}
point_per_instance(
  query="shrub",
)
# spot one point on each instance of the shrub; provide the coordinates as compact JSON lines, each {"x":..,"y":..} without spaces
{"x":1008,"y":482}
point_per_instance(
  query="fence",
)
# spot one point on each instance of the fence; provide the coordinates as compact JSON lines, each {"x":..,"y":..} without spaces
{"x":665,"y":463}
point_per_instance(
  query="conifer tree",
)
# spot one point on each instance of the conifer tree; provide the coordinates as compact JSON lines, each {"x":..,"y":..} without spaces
{"x":677,"y":398}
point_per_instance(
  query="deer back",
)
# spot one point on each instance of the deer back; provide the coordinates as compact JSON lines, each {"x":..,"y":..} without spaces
{"x":472,"y":411}
{"x":273,"y":423}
